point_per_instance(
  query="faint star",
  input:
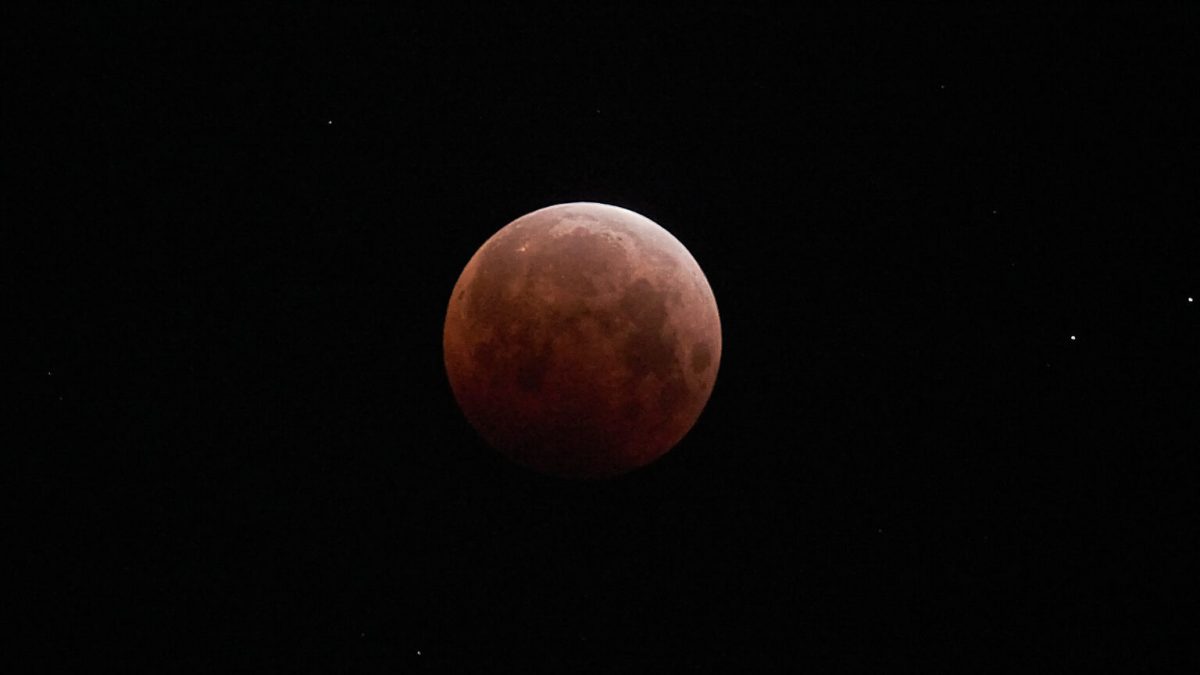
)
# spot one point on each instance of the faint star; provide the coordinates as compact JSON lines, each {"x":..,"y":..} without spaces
{"x":329,"y":122}
{"x":993,"y":212}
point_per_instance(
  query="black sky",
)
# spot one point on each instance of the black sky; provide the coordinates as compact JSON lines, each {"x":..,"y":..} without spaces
{"x":247,"y":225}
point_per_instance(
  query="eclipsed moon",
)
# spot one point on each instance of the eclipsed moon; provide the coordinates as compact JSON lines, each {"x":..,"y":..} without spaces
{"x":582,"y":340}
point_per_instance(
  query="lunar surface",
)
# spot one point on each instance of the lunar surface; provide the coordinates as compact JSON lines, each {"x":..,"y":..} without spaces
{"x":582,"y":340}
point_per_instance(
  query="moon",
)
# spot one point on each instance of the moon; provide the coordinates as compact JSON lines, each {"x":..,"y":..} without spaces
{"x":582,"y":341}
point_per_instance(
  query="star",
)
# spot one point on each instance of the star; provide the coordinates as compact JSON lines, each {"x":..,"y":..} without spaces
{"x":329,"y":122}
{"x":1072,"y":338}
{"x":1191,"y":299}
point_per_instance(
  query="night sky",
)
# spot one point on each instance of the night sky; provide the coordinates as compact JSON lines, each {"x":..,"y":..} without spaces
{"x":953,"y":251}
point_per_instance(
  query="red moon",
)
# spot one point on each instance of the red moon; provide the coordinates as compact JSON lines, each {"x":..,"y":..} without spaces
{"x":582,"y":340}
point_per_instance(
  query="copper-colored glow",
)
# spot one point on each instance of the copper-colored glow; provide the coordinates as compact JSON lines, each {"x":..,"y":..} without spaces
{"x":582,"y":340}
